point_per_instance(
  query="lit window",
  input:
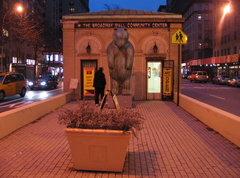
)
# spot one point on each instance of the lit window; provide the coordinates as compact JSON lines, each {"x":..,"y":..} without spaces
{"x":199,"y":45}
{"x":71,"y":10}
{"x":5,"y":32}
{"x":30,"y":62}
{"x":14,"y":60}
{"x":199,"y":17}
{"x":56,"y":56}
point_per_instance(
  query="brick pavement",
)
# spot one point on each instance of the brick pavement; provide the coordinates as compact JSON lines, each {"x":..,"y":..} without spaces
{"x":172,"y":144}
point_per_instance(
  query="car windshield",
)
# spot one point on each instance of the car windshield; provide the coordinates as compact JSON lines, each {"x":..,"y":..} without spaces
{"x":42,"y":77}
{"x":1,"y":78}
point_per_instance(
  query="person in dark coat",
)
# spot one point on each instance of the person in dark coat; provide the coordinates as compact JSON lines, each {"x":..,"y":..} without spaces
{"x":99,"y":83}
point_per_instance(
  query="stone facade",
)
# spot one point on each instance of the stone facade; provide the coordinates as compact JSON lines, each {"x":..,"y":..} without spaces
{"x":146,"y":29}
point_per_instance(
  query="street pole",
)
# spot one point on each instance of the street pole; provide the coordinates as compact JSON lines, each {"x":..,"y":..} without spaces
{"x":179,"y":74}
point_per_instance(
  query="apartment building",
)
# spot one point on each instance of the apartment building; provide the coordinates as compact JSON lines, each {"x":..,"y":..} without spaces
{"x":18,"y":56}
{"x":213,"y":35}
{"x":54,"y":10}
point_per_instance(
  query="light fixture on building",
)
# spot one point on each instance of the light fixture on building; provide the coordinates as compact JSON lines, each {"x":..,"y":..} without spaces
{"x":88,"y":48}
{"x":155,"y":48}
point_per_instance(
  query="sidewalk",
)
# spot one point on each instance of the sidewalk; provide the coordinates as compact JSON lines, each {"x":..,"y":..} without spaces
{"x":172,"y":144}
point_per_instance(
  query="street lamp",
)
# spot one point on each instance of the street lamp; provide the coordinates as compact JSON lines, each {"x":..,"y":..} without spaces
{"x":18,"y":8}
{"x":226,"y":9}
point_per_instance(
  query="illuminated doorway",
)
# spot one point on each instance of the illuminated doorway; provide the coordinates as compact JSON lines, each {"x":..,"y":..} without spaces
{"x":154,"y":79}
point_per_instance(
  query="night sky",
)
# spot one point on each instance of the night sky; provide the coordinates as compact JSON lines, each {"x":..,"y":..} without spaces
{"x":148,"y":5}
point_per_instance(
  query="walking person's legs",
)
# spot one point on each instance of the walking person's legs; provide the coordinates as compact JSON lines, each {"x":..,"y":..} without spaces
{"x":97,"y":92}
{"x":102,"y":93}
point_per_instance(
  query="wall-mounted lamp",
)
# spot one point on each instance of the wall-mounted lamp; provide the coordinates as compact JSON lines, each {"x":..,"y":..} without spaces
{"x":155,"y":48}
{"x":88,"y":48}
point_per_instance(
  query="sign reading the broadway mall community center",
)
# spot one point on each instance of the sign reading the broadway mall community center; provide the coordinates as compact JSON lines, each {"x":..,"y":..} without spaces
{"x":121,"y":25}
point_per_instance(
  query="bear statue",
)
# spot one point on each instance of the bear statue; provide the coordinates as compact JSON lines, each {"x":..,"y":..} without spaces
{"x":120,"y":61}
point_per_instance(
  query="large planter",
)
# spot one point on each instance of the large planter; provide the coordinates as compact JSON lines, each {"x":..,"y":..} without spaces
{"x":98,"y":150}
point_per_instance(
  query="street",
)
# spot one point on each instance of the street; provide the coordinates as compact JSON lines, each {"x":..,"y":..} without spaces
{"x":31,"y":96}
{"x":221,"y":96}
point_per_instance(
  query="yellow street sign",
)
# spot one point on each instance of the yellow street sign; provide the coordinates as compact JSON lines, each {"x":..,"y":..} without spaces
{"x":179,"y":37}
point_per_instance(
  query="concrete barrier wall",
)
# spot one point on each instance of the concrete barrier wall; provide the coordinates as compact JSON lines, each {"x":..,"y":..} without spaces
{"x":226,"y":124}
{"x":17,"y":118}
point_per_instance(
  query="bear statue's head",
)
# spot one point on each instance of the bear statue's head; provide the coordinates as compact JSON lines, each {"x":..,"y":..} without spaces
{"x":120,"y":37}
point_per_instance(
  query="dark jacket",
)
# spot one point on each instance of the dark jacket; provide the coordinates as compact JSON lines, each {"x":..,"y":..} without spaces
{"x":99,"y":79}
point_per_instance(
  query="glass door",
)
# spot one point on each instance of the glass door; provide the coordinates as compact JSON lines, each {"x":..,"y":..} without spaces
{"x":154,"y":80}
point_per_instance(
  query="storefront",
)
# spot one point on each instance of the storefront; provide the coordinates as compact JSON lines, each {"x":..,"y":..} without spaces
{"x":228,"y":65}
{"x":155,"y":69}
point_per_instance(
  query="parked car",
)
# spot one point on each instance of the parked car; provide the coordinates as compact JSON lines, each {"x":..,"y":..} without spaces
{"x":12,"y":84}
{"x":235,"y":81}
{"x":44,"y":82}
{"x":220,"y":79}
{"x":199,"y":76}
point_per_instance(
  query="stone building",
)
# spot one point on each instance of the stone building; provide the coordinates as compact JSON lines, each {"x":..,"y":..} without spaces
{"x":86,"y":37}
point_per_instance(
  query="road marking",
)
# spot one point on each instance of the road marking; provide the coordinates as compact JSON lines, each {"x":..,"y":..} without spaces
{"x":26,"y":103}
{"x":17,"y":103}
{"x":218,"y":97}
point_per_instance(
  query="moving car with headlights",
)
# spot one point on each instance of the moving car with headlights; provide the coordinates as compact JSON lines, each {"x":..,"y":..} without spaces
{"x":44,"y":82}
{"x":235,"y":81}
{"x":199,"y":76}
{"x":220,"y":79}
{"x":12,"y":84}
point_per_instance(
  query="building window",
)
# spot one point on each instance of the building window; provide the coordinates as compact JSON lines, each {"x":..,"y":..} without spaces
{"x":199,"y":7}
{"x":199,"y":45}
{"x":206,"y":7}
{"x":199,"y":55}
{"x":199,"y":16}
{"x":71,"y":10}
{"x":207,"y":36}
{"x":199,"y":36}
{"x":71,"y":3}
{"x":206,"y":26}
{"x":200,"y":27}
{"x":235,"y":50}
{"x":206,"y":45}
{"x":206,"y":17}
{"x":235,"y":35}
{"x":30,"y":61}
{"x":14,"y":60}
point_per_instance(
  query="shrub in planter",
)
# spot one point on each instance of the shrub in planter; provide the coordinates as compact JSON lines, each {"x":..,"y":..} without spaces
{"x":98,"y":139}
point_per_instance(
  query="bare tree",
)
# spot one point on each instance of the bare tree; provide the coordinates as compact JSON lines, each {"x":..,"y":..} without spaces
{"x":110,"y":7}
{"x":26,"y":28}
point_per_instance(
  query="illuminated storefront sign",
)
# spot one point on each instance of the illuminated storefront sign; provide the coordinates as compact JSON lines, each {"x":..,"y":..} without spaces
{"x":88,"y":81}
{"x":121,"y":25}
{"x":167,"y":82}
